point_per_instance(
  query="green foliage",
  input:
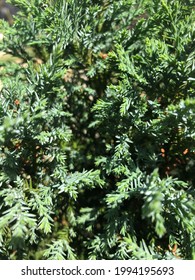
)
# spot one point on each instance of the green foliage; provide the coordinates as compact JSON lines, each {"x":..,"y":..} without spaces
{"x":97,"y":138}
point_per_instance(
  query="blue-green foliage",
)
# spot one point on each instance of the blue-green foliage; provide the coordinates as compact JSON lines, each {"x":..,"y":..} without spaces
{"x":97,"y":138}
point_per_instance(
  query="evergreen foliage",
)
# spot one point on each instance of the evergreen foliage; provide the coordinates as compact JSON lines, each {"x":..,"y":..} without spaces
{"x":97,"y":130}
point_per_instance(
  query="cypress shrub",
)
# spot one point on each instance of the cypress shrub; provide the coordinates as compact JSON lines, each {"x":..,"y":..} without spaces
{"x":97,"y":130}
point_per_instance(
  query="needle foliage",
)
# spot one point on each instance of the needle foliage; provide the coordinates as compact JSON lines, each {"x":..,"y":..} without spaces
{"x":97,"y":130}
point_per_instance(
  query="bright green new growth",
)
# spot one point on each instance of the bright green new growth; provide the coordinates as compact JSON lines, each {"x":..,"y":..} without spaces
{"x":97,"y":131}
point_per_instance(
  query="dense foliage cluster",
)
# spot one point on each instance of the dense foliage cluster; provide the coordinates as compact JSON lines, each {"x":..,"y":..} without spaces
{"x":97,"y":130}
